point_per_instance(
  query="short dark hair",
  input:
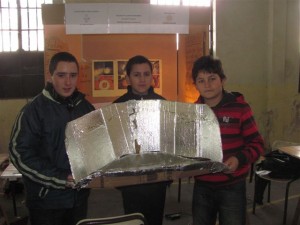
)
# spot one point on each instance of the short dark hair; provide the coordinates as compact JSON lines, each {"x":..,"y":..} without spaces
{"x":138,"y":59}
{"x":61,"y":56}
{"x":207,"y":64}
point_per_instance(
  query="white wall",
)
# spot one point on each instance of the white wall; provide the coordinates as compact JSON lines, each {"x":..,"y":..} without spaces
{"x":9,"y":110}
{"x":257,"y":41}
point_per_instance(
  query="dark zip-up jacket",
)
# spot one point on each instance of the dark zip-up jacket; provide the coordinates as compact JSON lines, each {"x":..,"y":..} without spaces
{"x":131,"y":96}
{"x":139,"y":192}
{"x":37,"y":148}
{"x":240,"y":137}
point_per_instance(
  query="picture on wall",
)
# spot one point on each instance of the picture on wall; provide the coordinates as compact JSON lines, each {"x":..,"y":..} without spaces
{"x":122,"y":83}
{"x":103,"y":75}
{"x":109,"y":77}
{"x":156,"y":73}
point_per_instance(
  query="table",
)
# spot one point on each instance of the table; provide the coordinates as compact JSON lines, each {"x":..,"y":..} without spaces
{"x":291,"y":150}
{"x":13,"y":175}
{"x":295,"y":152}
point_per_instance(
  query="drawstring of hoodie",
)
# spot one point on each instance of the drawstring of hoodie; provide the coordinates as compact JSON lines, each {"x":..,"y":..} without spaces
{"x":43,"y":192}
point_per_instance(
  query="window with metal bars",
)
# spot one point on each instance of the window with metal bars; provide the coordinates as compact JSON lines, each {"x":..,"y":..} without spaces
{"x":21,"y":26}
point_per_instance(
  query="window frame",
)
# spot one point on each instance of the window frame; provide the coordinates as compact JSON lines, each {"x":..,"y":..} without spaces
{"x":33,"y":41}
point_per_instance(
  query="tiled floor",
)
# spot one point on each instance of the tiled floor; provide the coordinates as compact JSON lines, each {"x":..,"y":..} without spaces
{"x":107,"y":202}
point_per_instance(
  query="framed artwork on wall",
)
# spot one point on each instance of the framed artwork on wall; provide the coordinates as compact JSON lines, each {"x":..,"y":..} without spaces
{"x":122,"y":83}
{"x":157,"y":82}
{"x":103,"y":75}
{"x":109,"y":77}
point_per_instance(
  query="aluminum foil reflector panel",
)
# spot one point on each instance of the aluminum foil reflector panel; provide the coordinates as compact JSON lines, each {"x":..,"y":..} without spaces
{"x":139,"y":136}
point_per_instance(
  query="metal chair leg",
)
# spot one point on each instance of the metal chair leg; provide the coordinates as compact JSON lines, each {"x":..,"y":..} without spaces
{"x":251,"y":172}
{"x":286,"y":200}
{"x":254,"y":195}
{"x":255,"y":192}
{"x":179,"y":190}
{"x":269,"y":191}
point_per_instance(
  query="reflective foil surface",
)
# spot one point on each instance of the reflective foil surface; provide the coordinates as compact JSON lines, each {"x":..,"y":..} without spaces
{"x":137,"y":137}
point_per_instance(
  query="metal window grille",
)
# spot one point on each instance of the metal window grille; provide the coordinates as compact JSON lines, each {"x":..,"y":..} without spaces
{"x":21,"y":26}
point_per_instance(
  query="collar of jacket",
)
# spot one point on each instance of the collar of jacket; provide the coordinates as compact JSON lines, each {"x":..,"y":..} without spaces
{"x":70,"y":102}
{"x":150,"y":91}
{"x":227,"y":97}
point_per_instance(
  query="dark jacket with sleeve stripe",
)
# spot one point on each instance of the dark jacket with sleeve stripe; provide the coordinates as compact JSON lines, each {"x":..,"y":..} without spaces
{"x":240,"y":137}
{"x":37,"y":148}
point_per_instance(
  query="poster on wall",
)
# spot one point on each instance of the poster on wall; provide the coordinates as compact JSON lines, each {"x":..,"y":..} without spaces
{"x":109,"y":77}
{"x":122,"y":83}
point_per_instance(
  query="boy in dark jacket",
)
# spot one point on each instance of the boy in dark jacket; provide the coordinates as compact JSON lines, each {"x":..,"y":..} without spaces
{"x":139,"y":79}
{"x":148,"y":199}
{"x":37,"y":147}
{"x":223,"y":195}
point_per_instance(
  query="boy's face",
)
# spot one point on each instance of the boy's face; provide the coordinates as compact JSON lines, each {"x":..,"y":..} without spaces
{"x":64,"y":78}
{"x":140,"y":78}
{"x":210,"y":87}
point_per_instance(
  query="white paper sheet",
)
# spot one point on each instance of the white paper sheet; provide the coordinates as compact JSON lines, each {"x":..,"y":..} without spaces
{"x":103,"y":18}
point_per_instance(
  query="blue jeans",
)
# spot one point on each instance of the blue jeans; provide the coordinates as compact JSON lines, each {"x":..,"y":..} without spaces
{"x":227,"y":203}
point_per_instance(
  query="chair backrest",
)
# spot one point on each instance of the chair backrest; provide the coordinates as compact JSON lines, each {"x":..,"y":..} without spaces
{"x":128,"y":219}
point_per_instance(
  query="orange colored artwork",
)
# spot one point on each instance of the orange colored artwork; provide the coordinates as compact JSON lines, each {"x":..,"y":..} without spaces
{"x":156,"y":73}
{"x":103,"y":75}
{"x":122,"y":83}
{"x":109,"y":77}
